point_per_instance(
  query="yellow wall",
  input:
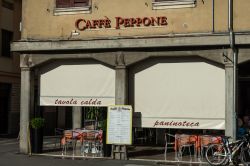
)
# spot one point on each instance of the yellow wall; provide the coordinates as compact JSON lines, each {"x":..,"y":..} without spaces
{"x":241,"y":15}
{"x":39,"y":21}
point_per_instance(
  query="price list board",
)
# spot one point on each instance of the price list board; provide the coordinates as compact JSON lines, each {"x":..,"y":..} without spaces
{"x":119,"y":125}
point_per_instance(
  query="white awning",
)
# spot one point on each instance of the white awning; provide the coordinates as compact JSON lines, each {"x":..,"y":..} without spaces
{"x":84,"y":83}
{"x":188,"y":94}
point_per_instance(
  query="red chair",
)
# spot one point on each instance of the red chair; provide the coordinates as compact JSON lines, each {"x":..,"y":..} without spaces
{"x":186,"y":141}
{"x":205,"y":141}
{"x":67,"y":140}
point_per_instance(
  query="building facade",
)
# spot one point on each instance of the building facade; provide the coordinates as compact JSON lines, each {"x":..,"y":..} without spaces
{"x":10,"y":15}
{"x":173,"y":61}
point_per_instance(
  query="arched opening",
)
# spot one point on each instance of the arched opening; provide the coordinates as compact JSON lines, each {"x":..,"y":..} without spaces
{"x":175,"y":95}
{"x":243,"y":110}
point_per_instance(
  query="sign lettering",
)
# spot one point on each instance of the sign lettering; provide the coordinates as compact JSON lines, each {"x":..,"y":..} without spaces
{"x":83,"y":24}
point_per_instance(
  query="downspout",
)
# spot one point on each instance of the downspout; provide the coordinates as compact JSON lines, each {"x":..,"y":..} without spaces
{"x":235,"y":55}
{"x":213,"y":16}
{"x":230,"y":24}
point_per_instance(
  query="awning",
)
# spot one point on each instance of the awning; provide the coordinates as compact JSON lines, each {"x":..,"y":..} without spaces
{"x":84,"y":83}
{"x":178,"y":93}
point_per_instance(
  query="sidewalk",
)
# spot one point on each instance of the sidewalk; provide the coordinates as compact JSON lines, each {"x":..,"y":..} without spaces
{"x":9,"y":156}
{"x":135,"y":153}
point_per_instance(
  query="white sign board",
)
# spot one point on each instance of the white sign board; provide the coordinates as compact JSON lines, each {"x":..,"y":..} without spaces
{"x":119,"y":125}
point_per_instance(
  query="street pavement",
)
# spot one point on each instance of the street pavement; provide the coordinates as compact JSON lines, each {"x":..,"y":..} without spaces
{"x":9,"y":156}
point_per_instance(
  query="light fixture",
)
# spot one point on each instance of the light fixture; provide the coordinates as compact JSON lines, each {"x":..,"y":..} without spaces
{"x":74,"y":33}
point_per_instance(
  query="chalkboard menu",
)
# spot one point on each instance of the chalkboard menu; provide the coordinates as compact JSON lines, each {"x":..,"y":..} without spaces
{"x":119,"y":125}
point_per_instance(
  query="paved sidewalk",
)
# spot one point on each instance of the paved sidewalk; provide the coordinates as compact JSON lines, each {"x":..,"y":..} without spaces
{"x":9,"y":156}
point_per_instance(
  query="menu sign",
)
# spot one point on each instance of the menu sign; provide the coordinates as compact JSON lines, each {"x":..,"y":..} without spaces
{"x":119,"y":125}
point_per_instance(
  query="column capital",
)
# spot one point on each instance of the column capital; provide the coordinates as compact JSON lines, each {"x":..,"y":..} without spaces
{"x":120,"y":60}
{"x":26,"y":60}
{"x":229,"y":65}
{"x":120,"y":67}
{"x":25,"y":69}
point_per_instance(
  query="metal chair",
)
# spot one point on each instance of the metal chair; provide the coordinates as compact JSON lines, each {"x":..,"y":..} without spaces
{"x":67,"y":140}
{"x":92,"y":143}
{"x":58,"y":136}
{"x":205,"y":141}
{"x":169,"y":144}
{"x":186,"y":141}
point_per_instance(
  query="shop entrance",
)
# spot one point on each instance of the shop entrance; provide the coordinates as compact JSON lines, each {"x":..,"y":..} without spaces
{"x":244,"y":94}
{"x":4,"y":106}
{"x":59,"y":122}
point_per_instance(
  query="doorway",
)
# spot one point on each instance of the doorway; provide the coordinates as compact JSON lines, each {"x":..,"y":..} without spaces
{"x":5,"y":90}
{"x":244,"y":93}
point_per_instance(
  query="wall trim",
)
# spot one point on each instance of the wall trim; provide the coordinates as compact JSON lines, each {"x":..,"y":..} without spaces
{"x":128,"y":43}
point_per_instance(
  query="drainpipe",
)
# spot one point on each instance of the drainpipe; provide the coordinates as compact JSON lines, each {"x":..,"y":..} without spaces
{"x":235,"y":57}
{"x":213,"y":16}
{"x":230,"y":24}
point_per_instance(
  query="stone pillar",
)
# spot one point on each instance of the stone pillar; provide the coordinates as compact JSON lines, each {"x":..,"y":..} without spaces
{"x":121,"y":85}
{"x":230,"y":111}
{"x":120,"y":151}
{"x":77,"y":117}
{"x":121,"y":81}
{"x":25,"y":109}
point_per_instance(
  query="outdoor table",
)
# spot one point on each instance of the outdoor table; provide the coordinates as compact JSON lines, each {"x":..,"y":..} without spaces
{"x":91,"y":140}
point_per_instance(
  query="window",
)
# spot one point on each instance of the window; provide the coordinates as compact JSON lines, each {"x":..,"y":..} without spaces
{"x":71,"y":3}
{"x":7,"y":37}
{"x":5,"y":94}
{"x":72,"y":7}
{"x":9,"y":4}
{"x":165,"y":4}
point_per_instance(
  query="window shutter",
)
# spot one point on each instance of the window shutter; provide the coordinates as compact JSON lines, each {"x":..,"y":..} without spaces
{"x":71,"y":3}
{"x":63,"y":3}
{"x":79,"y":3}
{"x":164,"y":4}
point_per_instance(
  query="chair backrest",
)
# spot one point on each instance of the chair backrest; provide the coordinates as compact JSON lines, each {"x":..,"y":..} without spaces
{"x":205,"y":140}
{"x":77,"y":133}
{"x":59,"y":132}
{"x":209,"y":139}
{"x":216,"y":139}
{"x":90,"y":136}
{"x":193,"y":138}
{"x":68,"y":134}
{"x":183,"y":139}
{"x":169,"y":138}
{"x":100,"y":136}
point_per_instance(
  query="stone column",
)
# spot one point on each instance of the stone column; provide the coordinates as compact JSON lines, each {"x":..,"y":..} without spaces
{"x":121,"y":80}
{"x":230,"y":112}
{"x":120,"y":151}
{"x":25,"y":109}
{"x":121,"y":85}
{"x":77,"y":117}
